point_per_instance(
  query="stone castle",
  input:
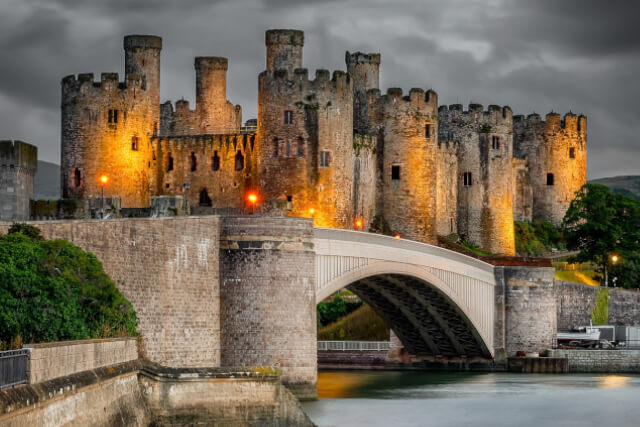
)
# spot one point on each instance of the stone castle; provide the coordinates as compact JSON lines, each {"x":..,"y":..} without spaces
{"x":333,"y":148}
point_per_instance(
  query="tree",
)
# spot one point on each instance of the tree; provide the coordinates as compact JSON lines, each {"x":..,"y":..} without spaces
{"x":52,"y":290}
{"x":599,"y":224}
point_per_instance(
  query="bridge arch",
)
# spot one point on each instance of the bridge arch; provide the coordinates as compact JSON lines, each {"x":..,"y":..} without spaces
{"x":438,"y":302}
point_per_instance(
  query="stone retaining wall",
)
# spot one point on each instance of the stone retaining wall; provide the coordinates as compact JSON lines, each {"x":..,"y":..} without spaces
{"x":59,"y":359}
{"x":369,"y":359}
{"x":614,"y":361}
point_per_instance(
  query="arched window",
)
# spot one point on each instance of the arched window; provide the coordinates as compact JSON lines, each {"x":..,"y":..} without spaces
{"x":77,"y":177}
{"x":299,"y":147}
{"x":194,"y":162}
{"x":275,"y":143}
{"x":205,"y":200}
{"x":239,"y":161}
{"x":549,"y":179}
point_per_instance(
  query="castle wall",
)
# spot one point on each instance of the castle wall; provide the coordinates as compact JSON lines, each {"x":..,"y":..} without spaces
{"x":96,"y":143}
{"x":18,"y":164}
{"x":447,"y":188}
{"x":169,"y":269}
{"x":213,"y":113}
{"x":485,"y":206}
{"x":522,"y":190}
{"x":364,"y":69}
{"x":224,"y":187}
{"x":284,"y":50}
{"x":365,"y":174}
{"x":556,"y":146}
{"x":307,"y":162}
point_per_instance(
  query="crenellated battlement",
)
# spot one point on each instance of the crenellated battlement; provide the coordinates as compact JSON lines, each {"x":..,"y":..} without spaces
{"x":416,"y":97}
{"x":229,"y":142}
{"x":477,"y":113}
{"x":84,"y":85}
{"x":554,"y":122}
{"x":324,"y":81}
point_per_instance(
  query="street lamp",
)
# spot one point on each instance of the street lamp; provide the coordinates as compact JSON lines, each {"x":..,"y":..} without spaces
{"x":103,"y":182}
{"x":614,"y":259}
{"x":358,"y":224}
{"x":252,"y":198}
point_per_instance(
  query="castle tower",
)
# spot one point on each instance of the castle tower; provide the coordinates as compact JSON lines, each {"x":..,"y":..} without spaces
{"x":217,"y":115}
{"x":364,"y":69}
{"x":409,"y":163}
{"x":107,"y":127}
{"x":557,"y":152}
{"x":18,"y":165}
{"x":485,"y":195}
{"x":284,"y":50}
{"x":305,"y":136}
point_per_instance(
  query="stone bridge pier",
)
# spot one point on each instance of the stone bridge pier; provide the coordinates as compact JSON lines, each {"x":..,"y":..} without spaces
{"x":241,"y":291}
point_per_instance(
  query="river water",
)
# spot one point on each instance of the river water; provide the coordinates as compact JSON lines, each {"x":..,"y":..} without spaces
{"x":395,"y":399}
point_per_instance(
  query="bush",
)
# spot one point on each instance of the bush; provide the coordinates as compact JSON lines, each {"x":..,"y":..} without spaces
{"x":51,"y":290}
{"x":534,"y":239}
{"x":329,"y":312}
{"x":361,"y":325}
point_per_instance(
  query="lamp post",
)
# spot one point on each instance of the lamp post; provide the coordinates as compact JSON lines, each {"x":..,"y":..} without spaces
{"x":252,"y":198}
{"x":614,"y":259}
{"x":103,"y":181}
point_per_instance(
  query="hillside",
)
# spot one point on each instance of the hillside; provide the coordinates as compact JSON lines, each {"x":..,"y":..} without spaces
{"x":47,"y":181}
{"x":628,"y":185}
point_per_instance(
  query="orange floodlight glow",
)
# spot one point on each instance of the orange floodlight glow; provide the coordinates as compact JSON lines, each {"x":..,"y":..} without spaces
{"x":252,"y":198}
{"x":358,"y":224}
{"x":397,"y":236}
{"x":104,"y":179}
{"x":312,"y":211}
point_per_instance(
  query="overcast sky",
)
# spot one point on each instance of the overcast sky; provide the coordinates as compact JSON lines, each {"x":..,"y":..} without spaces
{"x":534,"y":55}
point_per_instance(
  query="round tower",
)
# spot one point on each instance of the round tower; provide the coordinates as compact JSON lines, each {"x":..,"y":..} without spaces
{"x":364,"y":69}
{"x":284,"y":50}
{"x":107,"y":127}
{"x":216,"y":114}
{"x":409,"y":163}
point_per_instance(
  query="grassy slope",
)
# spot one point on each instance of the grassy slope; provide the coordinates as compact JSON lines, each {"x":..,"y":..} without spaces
{"x":583,"y":276}
{"x":361,"y":325}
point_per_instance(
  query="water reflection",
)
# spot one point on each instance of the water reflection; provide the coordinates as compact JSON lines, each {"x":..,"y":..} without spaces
{"x":365,"y":398}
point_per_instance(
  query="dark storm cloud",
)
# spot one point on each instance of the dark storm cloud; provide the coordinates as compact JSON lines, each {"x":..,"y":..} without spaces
{"x":578,"y":55}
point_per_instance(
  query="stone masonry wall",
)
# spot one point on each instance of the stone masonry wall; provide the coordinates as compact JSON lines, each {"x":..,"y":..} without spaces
{"x":268,"y":315}
{"x":522,"y":191}
{"x":613,"y":361}
{"x":168,"y":268}
{"x":529,"y":308}
{"x":58,"y":359}
{"x":575,"y":301}
{"x":447,"y":188}
{"x":18,"y":164}
{"x":191,"y":160}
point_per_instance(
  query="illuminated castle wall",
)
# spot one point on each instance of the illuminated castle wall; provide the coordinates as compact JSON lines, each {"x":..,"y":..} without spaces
{"x":332,"y":147}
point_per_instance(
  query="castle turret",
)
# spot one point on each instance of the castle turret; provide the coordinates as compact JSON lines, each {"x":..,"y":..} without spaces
{"x":305,"y":137}
{"x":364,"y":69}
{"x":216,"y":114}
{"x":409,"y":163}
{"x":107,"y":126}
{"x":485,"y":194}
{"x":18,"y":165}
{"x":284,"y":50}
{"x":556,"y":149}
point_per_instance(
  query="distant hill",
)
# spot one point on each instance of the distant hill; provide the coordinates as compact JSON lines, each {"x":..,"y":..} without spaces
{"x":47,"y":181}
{"x":626,"y":185}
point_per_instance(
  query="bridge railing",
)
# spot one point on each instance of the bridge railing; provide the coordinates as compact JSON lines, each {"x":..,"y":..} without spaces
{"x":353,"y":345}
{"x":14,"y":365}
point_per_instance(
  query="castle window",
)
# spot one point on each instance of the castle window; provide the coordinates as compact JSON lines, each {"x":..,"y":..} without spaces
{"x":395,"y":172}
{"x":205,"y":200}
{"x":467,"y":179}
{"x":276,"y":144}
{"x":169,"y":162}
{"x":194,"y":162}
{"x":289,"y":203}
{"x":215,"y":162}
{"x":288,"y":149}
{"x":134,"y":143}
{"x":288,"y":117}
{"x":324,"y":159}
{"x":572,"y":153}
{"x":495,"y":142}
{"x":299,"y":147}
{"x":77,"y":177}
{"x":427,"y":130}
{"x":167,"y":185}
{"x":112,"y":116}
{"x":549,"y":179}
{"x":239,"y":161}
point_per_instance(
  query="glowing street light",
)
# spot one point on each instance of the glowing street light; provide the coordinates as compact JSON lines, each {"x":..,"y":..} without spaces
{"x":614,"y":259}
{"x":103,"y":182}
{"x":252,"y":198}
{"x":312,"y":211}
{"x":398,"y":236}
{"x":358,"y":224}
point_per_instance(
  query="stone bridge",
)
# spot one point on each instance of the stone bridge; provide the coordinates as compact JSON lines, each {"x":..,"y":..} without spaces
{"x":438,"y":302}
{"x":242,"y":291}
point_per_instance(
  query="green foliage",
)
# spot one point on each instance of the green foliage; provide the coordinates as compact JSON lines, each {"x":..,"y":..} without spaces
{"x":485,"y":128}
{"x":28,"y":230}
{"x":476,"y":250}
{"x":329,"y":312}
{"x":600,"y":223}
{"x":362,"y":324}
{"x":51,"y":290}
{"x":626,"y":273}
{"x":533,"y":239}
{"x":600,"y":309}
